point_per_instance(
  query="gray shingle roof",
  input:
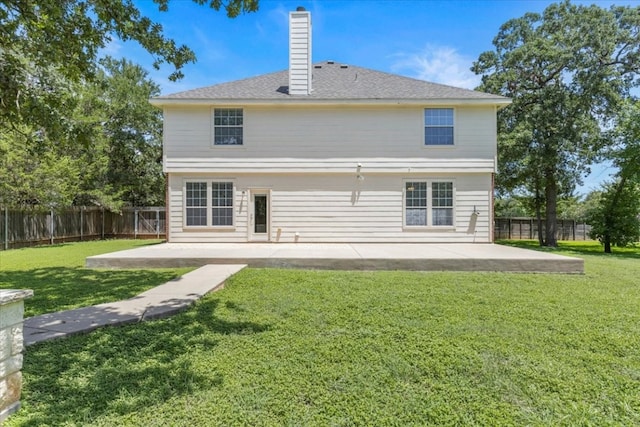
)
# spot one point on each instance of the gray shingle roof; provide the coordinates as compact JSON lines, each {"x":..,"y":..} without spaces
{"x":333,"y":81}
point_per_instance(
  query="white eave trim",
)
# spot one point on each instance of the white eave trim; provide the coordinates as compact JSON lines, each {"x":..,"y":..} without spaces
{"x":161,"y":102}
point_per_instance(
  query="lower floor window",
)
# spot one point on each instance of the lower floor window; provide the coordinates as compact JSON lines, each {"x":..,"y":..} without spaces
{"x":222,"y":202}
{"x":442,"y":203}
{"x":196,"y":203}
{"x":208,"y":203}
{"x":428,"y":203}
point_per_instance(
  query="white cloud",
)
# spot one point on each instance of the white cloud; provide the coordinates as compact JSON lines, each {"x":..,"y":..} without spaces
{"x":438,"y":64}
{"x":112,"y":48}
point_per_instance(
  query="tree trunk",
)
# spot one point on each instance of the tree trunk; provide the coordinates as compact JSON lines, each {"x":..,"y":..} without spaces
{"x":539,"y":216}
{"x":609,"y":217}
{"x":551,"y":197}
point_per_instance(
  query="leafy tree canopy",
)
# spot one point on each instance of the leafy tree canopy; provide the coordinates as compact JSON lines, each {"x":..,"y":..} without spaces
{"x":121,"y":165}
{"x":567,"y":71}
{"x":43,"y":40}
{"x":614,"y":217}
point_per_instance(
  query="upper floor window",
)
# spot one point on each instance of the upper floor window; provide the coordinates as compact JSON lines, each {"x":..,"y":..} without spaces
{"x":438,"y":126}
{"x":227,"y":126}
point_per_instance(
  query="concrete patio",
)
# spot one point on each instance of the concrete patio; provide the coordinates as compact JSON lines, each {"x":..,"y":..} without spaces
{"x":343,"y":256}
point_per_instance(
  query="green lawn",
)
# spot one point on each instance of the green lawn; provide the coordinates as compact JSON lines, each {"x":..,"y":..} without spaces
{"x":291,"y":347}
{"x":57,"y":276}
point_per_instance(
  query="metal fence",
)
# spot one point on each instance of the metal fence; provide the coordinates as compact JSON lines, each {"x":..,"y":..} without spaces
{"x":20,"y":228}
{"x":527,"y":228}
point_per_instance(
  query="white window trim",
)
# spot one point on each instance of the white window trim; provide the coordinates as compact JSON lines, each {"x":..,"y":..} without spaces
{"x":210,"y":227}
{"x":455,"y":128}
{"x":429,"y":226}
{"x":212,"y":131}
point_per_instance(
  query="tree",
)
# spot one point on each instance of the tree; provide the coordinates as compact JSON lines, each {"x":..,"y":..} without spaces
{"x":120,"y":165}
{"x":42,"y":39}
{"x":615,"y":218}
{"x":567,"y":72}
{"x":60,"y":140}
{"x":34,"y":177}
{"x":133,"y":130}
{"x":510,"y":207}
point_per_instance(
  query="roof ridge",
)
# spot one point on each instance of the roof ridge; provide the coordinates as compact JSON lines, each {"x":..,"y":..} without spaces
{"x":332,"y":80}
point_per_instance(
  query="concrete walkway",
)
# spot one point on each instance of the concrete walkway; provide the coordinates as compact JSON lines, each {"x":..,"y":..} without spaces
{"x":161,"y":301}
{"x":344,"y":256}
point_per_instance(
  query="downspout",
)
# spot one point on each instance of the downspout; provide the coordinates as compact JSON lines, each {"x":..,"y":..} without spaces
{"x":492,"y":220}
{"x":166,"y":208}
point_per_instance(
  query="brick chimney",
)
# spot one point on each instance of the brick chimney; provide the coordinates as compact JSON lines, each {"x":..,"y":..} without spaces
{"x":300,"y":52}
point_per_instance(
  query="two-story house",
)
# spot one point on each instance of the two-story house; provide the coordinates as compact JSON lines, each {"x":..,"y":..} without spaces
{"x":329,"y":152}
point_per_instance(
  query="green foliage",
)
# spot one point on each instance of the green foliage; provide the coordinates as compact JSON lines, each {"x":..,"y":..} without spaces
{"x":615,"y":216}
{"x":59,"y":280}
{"x":134,"y":132}
{"x":122,"y":163}
{"x":32,"y":176}
{"x":40,"y":39}
{"x":625,"y":151}
{"x":54,"y":120}
{"x":510,"y":207}
{"x":567,"y":71}
{"x":286,"y":347}
{"x":126,"y":163}
{"x":572,"y":207}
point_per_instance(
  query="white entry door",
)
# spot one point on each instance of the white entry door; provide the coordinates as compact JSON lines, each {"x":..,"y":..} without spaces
{"x":260,"y":216}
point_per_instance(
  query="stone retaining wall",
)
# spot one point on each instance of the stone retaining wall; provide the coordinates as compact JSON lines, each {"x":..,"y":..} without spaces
{"x":11,"y":345}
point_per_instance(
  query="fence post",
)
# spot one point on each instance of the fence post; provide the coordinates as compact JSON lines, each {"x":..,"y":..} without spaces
{"x":81,"y":221}
{"x":135,"y":223}
{"x":52,"y":224}
{"x":102,"y":210}
{"x":520,"y":229}
{"x":509,"y":223}
{"x":157,"y":223}
{"x":6,"y":228}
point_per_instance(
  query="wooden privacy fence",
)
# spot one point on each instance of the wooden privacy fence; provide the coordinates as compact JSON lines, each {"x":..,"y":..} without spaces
{"x":20,"y":228}
{"x":527,"y":228}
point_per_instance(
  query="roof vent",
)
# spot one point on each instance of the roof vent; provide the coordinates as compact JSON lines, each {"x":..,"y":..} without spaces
{"x":300,"y":9}
{"x":330,"y":62}
{"x":317,"y":66}
{"x":344,"y":66}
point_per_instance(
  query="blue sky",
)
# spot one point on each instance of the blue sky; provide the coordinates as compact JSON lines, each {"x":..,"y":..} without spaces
{"x":426,"y":39}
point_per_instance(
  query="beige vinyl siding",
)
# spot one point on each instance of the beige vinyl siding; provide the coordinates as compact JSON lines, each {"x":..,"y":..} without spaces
{"x":339,"y":208}
{"x":329,"y":139}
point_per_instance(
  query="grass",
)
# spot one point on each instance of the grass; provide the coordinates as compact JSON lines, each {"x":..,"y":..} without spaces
{"x":59,"y":280}
{"x":291,"y":347}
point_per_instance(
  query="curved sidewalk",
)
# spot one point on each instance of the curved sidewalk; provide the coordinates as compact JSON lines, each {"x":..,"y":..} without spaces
{"x":158,"y":302}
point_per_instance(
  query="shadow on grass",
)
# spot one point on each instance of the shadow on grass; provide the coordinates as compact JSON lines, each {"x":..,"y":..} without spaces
{"x":575,"y":247}
{"x":119,"y":370}
{"x":63,"y":288}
